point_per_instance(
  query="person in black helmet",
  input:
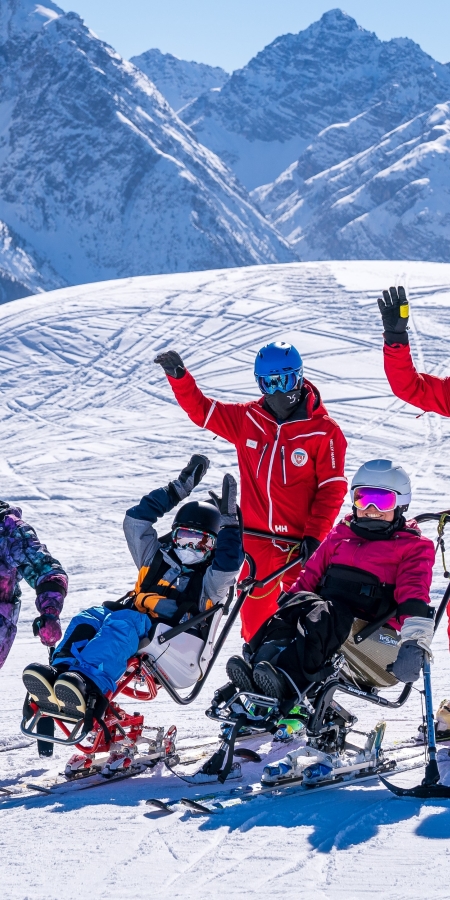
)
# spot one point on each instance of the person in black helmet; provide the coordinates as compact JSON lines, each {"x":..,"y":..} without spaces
{"x":180,"y":574}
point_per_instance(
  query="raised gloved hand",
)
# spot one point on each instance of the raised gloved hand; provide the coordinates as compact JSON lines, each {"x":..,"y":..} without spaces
{"x":228,"y":504}
{"x":48,"y":627}
{"x":416,"y":636}
{"x":394,"y":308}
{"x":190,"y":476}
{"x":172,"y":363}
{"x":308,"y":546}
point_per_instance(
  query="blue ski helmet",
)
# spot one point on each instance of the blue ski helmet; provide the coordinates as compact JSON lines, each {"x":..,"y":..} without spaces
{"x":278,"y":367}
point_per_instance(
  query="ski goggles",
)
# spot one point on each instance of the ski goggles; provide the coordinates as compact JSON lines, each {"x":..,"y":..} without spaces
{"x":191,"y":539}
{"x":283,"y":382}
{"x":384,"y":500}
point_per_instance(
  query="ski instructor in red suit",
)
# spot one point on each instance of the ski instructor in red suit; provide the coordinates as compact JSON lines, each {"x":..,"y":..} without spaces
{"x":291,"y":461}
{"x":427,"y":392}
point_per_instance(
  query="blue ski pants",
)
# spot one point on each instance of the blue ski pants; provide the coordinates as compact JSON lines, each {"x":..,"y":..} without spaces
{"x":102,"y":644}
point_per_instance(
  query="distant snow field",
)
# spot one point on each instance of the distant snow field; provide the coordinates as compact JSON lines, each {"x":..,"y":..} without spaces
{"x":89,"y":424}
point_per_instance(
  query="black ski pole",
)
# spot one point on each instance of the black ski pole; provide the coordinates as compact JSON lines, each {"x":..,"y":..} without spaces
{"x":46,"y":725}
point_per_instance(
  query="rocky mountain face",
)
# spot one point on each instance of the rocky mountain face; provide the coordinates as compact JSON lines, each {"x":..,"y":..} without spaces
{"x":22,"y":270}
{"x":333,"y":75}
{"x":178,"y":80}
{"x":98,"y":177}
{"x":391,"y":201}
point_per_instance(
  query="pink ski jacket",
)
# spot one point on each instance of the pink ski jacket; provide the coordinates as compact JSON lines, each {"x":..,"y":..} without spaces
{"x":405,"y":560}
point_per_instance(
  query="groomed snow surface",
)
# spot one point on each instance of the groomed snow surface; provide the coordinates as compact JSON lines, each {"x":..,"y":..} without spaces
{"x":88,"y":425}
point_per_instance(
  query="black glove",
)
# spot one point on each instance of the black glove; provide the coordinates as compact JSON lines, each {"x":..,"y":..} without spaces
{"x":172,"y":363}
{"x":308,"y":546}
{"x":394,"y":308}
{"x":190,"y":476}
{"x":228,"y":505}
{"x":409,"y":662}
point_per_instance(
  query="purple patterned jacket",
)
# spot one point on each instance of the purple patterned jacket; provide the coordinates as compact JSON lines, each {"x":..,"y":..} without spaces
{"x":23,"y":556}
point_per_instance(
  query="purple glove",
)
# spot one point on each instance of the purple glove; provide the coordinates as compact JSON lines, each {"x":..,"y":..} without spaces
{"x":48,"y":627}
{"x":50,"y":597}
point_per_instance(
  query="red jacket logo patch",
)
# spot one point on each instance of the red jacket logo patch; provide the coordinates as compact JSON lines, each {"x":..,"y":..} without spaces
{"x":299,"y":457}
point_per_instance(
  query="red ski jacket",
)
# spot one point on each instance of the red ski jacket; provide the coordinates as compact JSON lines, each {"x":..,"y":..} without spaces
{"x":292,"y":473}
{"x":427,"y":392}
{"x":405,"y":560}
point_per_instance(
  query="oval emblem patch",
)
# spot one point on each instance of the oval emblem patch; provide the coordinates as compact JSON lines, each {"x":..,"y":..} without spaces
{"x":299,"y":457}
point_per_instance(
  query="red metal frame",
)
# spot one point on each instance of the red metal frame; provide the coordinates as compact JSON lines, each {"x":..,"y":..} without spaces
{"x":130,"y":723}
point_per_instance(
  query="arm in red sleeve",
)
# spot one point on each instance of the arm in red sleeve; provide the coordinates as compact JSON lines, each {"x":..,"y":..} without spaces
{"x":315,"y":568}
{"x":427,"y":392}
{"x":224,"y":419}
{"x":415,"y":573}
{"x":331,"y":484}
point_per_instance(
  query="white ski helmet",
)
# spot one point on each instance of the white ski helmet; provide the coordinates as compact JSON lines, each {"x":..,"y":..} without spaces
{"x":382,"y":473}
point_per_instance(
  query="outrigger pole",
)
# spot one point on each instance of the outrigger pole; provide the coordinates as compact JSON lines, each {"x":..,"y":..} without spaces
{"x":430,"y":788}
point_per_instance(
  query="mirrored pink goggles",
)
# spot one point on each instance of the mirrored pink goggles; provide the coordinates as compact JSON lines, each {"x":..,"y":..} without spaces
{"x":191,"y":539}
{"x":383,"y":499}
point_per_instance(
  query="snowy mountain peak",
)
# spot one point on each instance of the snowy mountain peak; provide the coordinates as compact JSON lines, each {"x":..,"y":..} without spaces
{"x":333,"y":73}
{"x":20,"y":18}
{"x":338,"y":20}
{"x":178,"y":80}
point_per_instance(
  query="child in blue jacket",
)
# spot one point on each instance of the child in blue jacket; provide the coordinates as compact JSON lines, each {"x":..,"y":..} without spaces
{"x":180,"y":574}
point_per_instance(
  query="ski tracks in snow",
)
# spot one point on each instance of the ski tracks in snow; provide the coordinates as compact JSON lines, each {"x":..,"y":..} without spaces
{"x":89,"y":424}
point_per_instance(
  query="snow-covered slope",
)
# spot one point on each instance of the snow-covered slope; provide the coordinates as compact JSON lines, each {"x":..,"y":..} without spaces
{"x":268,"y":113}
{"x":88,"y":425}
{"x":97,"y":174}
{"x":392,"y":200}
{"x":178,"y":80}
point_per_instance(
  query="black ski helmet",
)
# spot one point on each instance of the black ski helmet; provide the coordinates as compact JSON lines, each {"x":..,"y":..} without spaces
{"x":198,"y":514}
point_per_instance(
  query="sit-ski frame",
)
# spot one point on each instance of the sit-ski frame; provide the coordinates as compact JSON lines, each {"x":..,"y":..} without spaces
{"x":123,"y":725}
{"x":224,"y":712}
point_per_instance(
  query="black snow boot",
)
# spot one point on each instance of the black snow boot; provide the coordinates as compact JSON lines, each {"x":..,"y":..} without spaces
{"x":39,"y":681}
{"x":81,"y":698}
{"x":72,"y":691}
{"x":271,"y":681}
{"x":240,"y":673}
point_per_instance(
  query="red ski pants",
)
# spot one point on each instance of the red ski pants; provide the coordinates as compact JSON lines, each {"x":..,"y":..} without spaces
{"x":269,"y":555}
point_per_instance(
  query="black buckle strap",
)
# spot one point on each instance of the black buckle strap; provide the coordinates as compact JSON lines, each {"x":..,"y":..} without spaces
{"x":408,"y":608}
{"x":215,"y":765}
{"x":94,"y":713}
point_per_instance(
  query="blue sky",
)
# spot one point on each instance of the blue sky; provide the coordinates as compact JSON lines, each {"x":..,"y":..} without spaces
{"x":229,"y":32}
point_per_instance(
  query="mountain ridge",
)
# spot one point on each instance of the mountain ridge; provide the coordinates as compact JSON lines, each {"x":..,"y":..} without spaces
{"x":97,"y":173}
{"x":179,"y":81}
{"x":389,"y":201}
{"x":299,"y":85}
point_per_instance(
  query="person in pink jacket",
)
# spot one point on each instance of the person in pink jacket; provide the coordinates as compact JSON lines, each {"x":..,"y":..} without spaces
{"x":374,"y":566}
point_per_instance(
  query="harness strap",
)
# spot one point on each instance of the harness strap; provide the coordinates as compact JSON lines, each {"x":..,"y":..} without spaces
{"x":93,"y":713}
{"x":358,"y":588}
